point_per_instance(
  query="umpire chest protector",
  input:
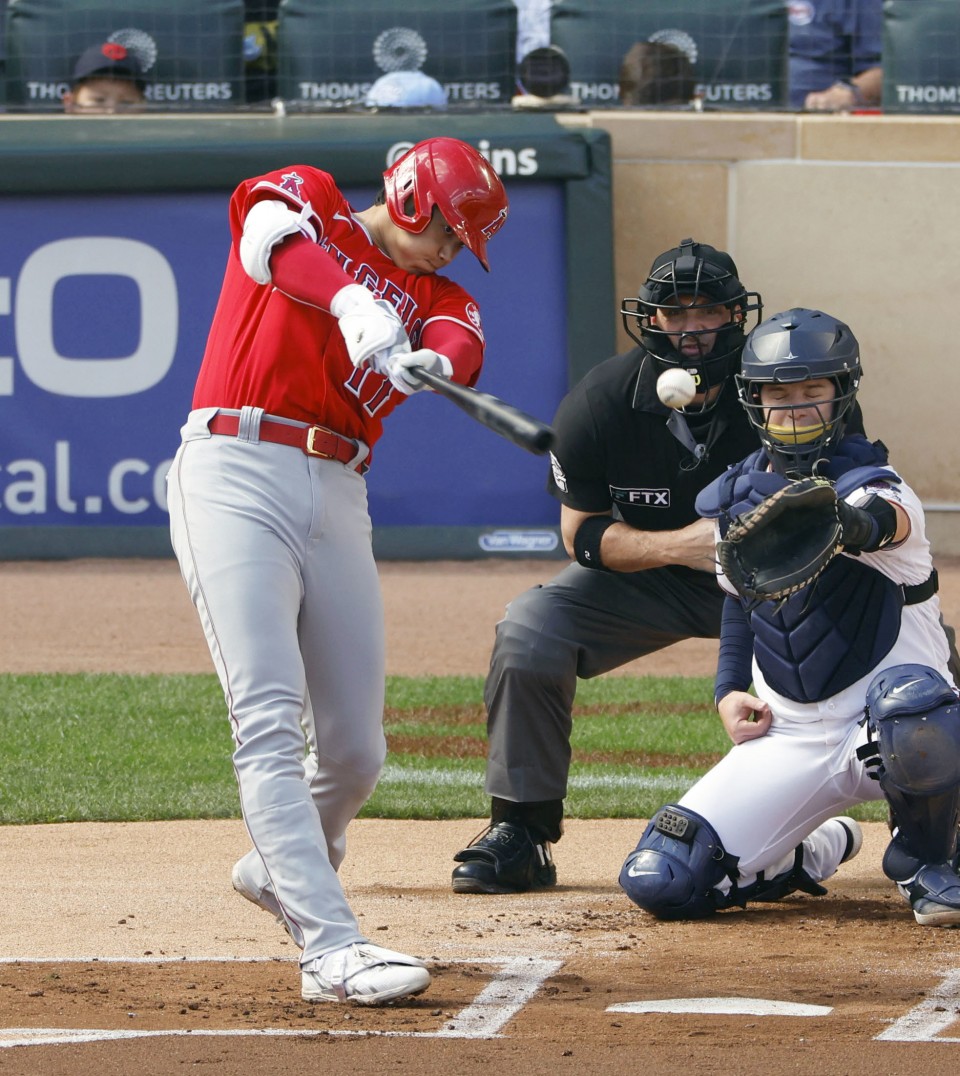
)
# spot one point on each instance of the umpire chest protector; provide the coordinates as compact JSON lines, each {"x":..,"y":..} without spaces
{"x":829,"y":635}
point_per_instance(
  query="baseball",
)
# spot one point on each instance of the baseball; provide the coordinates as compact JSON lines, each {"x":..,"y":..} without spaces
{"x":675,"y":387}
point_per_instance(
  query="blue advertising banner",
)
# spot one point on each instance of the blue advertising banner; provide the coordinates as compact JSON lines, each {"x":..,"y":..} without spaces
{"x":105,"y":303}
{"x":114,"y":240}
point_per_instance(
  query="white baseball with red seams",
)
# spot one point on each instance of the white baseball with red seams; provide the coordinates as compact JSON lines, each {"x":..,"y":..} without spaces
{"x":676,"y":388}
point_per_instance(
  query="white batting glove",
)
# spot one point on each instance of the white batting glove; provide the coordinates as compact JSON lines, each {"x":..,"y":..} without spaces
{"x":397,"y":368}
{"x":371,"y":328}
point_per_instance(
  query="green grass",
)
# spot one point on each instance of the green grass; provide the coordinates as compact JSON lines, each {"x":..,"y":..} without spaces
{"x":136,"y":748}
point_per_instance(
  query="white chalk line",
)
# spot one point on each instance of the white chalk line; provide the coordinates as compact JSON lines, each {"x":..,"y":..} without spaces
{"x":504,"y":996}
{"x":924,"y":1022}
{"x":393,"y":775}
{"x":144,"y":960}
{"x":512,"y":986}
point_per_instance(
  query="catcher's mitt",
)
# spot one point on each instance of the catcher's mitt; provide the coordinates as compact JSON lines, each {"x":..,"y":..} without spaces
{"x":784,"y":543}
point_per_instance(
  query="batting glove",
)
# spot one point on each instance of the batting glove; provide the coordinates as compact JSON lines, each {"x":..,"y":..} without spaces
{"x":371,"y":327}
{"x":397,"y":368}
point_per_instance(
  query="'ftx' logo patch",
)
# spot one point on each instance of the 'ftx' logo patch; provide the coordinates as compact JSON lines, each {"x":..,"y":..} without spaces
{"x":646,"y":498}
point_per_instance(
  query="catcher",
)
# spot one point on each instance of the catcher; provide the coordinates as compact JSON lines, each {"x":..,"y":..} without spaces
{"x":832,"y":616}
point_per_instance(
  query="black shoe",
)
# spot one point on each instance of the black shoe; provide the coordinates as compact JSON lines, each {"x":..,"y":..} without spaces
{"x":505,"y":858}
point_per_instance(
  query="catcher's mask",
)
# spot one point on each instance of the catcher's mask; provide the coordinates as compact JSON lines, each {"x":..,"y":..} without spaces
{"x":693,"y":274}
{"x":454,"y":177}
{"x":795,"y":346}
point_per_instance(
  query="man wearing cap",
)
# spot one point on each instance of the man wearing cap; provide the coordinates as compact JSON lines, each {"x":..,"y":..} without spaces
{"x":406,"y":89}
{"x":107,"y":78}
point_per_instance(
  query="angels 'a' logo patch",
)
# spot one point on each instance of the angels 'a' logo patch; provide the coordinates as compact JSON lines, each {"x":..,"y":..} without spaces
{"x":558,"y":476}
{"x":291,"y":183}
{"x":473,"y":313}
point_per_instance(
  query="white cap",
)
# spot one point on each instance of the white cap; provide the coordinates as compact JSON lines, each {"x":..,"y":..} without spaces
{"x":406,"y":89}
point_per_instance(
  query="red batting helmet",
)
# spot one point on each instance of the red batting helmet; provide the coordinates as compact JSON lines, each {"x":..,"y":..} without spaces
{"x":451,"y":175}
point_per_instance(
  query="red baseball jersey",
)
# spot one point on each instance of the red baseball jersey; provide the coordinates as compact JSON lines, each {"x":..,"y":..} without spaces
{"x":268,"y":350}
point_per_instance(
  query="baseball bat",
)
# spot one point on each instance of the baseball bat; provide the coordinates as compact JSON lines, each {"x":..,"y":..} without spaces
{"x":503,"y":418}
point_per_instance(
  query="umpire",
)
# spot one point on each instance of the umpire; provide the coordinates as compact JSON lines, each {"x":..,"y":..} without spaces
{"x":626,"y":470}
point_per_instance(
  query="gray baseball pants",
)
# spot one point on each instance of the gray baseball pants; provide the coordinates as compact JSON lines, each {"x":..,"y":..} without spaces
{"x":582,"y":623}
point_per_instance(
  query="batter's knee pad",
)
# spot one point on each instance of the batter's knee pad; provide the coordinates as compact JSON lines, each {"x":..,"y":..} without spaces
{"x":914,"y":724}
{"x":673,"y":871}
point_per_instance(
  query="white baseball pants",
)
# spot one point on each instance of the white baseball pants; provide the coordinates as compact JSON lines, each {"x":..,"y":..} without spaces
{"x":275,"y":548}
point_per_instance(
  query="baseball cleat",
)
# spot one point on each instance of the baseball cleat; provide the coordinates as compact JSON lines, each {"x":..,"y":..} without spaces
{"x":505,"y":858}
{"x":364,"y":974}
{"x":934,"y":895}
{"x":263,"y":896}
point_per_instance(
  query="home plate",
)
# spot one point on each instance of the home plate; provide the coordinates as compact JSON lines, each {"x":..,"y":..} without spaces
{"x":723,"y":1007}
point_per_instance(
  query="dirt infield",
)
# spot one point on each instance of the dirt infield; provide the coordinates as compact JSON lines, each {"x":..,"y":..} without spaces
{"x":123,"y":948}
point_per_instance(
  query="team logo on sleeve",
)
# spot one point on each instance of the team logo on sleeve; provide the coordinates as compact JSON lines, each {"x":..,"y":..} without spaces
{"x":558,"y":476}
{"x":473,"y":314}
{"x":291,"y":183}
{"x":887,"y":490}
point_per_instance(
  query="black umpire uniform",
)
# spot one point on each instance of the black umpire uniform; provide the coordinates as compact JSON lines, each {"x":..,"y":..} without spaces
{"x":614,"y":449}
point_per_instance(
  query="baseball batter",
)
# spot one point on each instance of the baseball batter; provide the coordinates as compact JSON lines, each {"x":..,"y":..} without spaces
{"x":322,"y":312}
{"x":761,"y":823}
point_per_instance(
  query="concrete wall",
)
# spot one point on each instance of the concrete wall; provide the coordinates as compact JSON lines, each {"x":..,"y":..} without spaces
{"x":857,"y":215}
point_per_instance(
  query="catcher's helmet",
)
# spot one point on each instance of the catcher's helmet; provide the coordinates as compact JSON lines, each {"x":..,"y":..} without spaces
{"x":799,"y":345}
{"x":454,"y":177}
{"x":693,"y":274}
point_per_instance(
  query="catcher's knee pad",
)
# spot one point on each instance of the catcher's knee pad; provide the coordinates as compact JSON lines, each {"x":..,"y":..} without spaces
{"x":673,"y":871}
{"x":914,"y":723}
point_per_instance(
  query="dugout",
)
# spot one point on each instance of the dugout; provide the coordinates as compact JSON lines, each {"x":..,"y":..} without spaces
{"x":116,"y":236}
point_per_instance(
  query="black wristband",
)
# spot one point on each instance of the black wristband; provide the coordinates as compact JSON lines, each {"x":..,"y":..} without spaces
{"x":586,"y":542}
{"x":869,"y":527}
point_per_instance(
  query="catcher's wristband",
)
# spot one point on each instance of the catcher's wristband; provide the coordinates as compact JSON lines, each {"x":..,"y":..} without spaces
{"x":868,"y":527}
{"x":586,"y":542}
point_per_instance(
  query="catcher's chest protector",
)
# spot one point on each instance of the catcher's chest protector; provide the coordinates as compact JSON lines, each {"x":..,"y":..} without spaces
{"x":824,"y":638}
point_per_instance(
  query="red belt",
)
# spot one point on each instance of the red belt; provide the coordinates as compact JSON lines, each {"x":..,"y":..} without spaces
{"x":312,"y":440}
